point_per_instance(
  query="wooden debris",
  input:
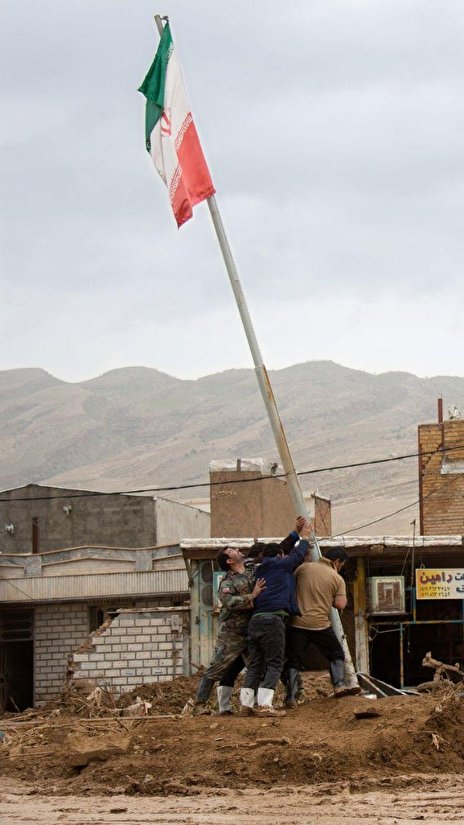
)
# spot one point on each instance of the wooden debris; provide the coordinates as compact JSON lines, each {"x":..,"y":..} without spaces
{"x":443,"y":670}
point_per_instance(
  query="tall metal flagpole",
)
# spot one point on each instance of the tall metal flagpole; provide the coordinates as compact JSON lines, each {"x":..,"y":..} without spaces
{"x":271,"y":406}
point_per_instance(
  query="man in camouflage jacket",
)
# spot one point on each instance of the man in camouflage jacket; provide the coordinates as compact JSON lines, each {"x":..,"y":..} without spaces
{"x":236,"y":594}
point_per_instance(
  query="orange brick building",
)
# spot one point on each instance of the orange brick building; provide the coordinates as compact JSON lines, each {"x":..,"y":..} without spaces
{"x":441,"y":477}
{"x":261,"y":505}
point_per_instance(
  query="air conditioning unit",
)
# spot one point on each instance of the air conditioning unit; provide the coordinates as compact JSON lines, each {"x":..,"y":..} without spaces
{"x":386,"y":595}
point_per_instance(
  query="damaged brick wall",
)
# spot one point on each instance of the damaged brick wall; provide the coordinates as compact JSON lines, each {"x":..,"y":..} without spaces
{"x":137,"y":646}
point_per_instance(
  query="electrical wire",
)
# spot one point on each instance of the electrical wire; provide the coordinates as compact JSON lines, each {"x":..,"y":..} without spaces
{"x":400,"y":510}
{"x":94,"y":493}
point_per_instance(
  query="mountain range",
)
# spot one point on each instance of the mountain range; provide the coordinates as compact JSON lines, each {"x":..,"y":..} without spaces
{"x":136,"y":427}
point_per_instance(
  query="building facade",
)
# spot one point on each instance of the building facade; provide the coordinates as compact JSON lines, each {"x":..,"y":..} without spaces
{"x":246,"y":500}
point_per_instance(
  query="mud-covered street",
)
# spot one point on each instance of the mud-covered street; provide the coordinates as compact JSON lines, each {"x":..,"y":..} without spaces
{"x":399,"y":801}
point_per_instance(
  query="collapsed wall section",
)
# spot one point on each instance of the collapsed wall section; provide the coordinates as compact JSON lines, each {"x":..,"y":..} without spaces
{"x":138,"y":646}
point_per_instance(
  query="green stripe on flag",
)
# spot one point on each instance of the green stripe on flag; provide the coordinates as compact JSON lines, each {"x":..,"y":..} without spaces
{"x":154,"y":84}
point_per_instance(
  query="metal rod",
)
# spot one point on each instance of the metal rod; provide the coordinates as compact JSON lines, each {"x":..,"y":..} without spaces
{"x":360,"y":625}
{"x":421,"y":621}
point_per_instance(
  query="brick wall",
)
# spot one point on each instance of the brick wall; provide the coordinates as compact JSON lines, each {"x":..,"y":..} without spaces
{"x":441,"y":478}
{"x":139,"y":646}
{"x":58,"y":630}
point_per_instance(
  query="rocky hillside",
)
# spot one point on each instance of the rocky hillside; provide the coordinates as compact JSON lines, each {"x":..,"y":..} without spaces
{"x":137,"y":427}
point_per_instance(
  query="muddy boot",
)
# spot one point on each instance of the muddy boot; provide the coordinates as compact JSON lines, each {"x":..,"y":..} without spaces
{"x":293,"y":687}
{"x":223,"y":696}
{"x":337,"y":673}
{"x":200,"y":709}
{"x":203,"y":693}
{"x":265,"y":697}
{"x":346,"y":690}
{"x":247,"y":700}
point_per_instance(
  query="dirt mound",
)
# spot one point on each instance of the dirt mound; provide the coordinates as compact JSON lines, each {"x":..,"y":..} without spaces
{"x":63,"y":752}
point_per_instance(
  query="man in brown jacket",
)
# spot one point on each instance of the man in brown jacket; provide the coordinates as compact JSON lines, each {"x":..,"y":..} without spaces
{"x":319,"y":587}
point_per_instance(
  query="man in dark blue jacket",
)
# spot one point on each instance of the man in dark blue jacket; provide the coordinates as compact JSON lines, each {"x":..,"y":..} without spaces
{"x":266,"y":631}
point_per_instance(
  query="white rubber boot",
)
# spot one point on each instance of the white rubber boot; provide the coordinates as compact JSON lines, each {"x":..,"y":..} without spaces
{"x":223,"y":696}
{"x":247,"y":699}
{"x":265,"y":697}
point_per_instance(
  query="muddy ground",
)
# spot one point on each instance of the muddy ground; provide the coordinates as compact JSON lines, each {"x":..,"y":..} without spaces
{"x":402,"y":800}
{"x":318,"y":756}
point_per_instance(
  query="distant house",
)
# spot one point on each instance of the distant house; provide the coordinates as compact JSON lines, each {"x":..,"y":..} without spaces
{"x":37,"y":518}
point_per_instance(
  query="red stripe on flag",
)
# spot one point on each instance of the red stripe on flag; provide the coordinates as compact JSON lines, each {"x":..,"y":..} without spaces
{"x":191,"y":182}
{"x":193,"y":163}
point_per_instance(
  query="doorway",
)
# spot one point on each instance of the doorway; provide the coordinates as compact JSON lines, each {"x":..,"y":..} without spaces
{"x":16,"y":660}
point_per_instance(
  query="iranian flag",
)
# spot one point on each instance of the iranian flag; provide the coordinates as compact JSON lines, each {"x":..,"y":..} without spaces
{"x":170,"y":133}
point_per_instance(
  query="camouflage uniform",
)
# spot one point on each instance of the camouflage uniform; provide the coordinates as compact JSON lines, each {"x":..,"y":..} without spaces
{"x":235,"y":596}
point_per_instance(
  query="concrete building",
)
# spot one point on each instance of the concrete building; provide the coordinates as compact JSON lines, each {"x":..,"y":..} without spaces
{"x":247,"y":501}
{"x":37,"y":518}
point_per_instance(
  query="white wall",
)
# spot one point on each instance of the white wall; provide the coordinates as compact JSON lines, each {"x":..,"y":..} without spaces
{"x":176,"y":521}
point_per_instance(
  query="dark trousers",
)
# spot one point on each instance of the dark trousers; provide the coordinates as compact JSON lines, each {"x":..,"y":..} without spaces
{"x":266,"y":649}
{"x":229,"y":677}
{"x":229,"y":647}
{"x":299,"y":640}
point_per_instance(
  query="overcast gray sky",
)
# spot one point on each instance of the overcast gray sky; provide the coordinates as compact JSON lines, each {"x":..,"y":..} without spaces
{"x":334,"y":135}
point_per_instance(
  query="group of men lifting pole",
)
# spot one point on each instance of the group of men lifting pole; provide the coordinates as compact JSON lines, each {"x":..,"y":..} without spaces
{"x":275,"y":603}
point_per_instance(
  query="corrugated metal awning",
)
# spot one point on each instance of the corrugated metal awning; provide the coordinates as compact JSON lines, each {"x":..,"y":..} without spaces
{"x":94,"y":585}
